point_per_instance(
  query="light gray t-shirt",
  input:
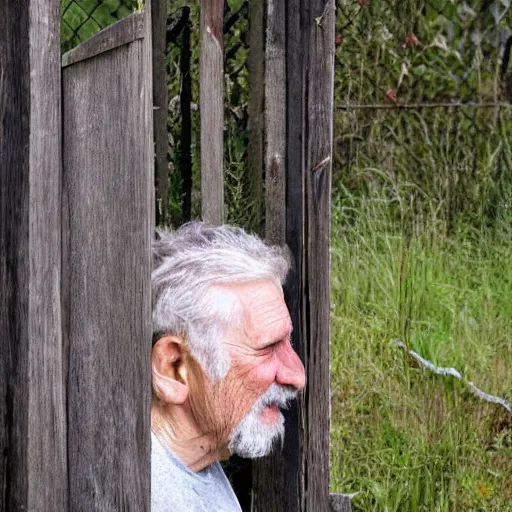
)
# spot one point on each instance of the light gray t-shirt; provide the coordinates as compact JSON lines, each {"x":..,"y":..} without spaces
{"x":175,"y":488}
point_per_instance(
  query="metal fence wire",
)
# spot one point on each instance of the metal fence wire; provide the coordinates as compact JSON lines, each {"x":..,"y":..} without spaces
{"x":80,"y":19}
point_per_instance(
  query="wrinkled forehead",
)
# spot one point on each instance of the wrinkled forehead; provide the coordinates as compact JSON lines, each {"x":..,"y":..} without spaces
{"x":263,"y":313}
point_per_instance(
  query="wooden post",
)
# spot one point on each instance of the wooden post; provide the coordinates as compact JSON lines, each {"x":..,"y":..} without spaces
{"x":269,"y":472}
{"x":275,"y":122}
{"x":160,"y":114}
{"x":211,"y":83}
{"x":319,"y":48}
{"x":186,"y":118}
{"x":33,"y":471}
{"x":298,"y":478}
{"x":256,"y":105}
{"x":108,"y":217}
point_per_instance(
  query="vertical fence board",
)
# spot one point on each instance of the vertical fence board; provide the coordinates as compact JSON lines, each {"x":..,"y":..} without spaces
{"x":275,"y":122}
{"x":298,"y":478}
{"x":268,"y":473}
{"x":211,"y":80}
{"x":33,"y":473}
{"x":294,"y":443}
{"x":108,"y":212}
{"x":304,"y":484}
{"x":160,"y":102}
{"x":186,"y":117}
{"x":319,"y":88}
{"x":14,"y":252}
{"x":256,"y":104}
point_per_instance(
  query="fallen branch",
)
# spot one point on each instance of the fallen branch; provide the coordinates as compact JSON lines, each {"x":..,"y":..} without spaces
{"x":455,"y":373}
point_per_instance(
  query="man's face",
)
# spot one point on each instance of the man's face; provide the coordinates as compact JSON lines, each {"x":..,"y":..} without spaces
{"x":243,"y":409}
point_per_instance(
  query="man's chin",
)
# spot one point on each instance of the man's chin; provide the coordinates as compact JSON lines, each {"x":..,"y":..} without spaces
{"x":256,"y":436}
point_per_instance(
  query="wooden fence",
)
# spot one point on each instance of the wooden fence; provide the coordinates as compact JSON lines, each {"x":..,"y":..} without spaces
{"x":76,"y":218}
{"x":76,"y":214}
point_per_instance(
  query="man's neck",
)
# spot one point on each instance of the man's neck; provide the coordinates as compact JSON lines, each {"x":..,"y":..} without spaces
{"x":176,"y":429}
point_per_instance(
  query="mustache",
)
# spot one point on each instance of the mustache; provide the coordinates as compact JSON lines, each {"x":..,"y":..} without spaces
{"x":277,"y":394}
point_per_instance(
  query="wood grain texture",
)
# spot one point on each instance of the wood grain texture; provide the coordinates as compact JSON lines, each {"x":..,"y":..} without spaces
{"x":33,"y":473}
{"x":211,"y":99}
{"x":186,"y":117}
{"x":292,"y":493}
{"x":14,"y":252}
{"x":108,"y":217}
{"x":299,"y":480}
{"x":160,"y":113}
{"x":275,"y":122}
{"x":256,"y":105}
{"x":269,"y":472}
{"x":118,"y":34}
{"x":319,"y":87}
{"x":278,"y":483}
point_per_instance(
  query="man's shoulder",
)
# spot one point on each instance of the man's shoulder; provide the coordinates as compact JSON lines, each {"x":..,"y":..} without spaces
{"x":175,"y":488}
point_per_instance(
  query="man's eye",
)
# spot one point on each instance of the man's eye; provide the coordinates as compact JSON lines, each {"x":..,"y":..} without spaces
{"x":272,"y":345}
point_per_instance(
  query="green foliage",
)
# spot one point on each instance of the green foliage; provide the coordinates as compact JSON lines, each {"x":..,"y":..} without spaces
{"x":422,"y":225}
{"x":415,"y":52}
{"x":406,"y":439}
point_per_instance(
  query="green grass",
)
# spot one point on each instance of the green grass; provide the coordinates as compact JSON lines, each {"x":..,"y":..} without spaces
{"x":405,"y":439}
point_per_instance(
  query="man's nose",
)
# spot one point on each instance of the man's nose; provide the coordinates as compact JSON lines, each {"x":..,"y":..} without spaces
{"x":291,"y":370}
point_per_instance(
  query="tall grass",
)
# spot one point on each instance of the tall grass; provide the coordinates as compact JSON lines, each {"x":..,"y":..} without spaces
{"x":405,"y":439}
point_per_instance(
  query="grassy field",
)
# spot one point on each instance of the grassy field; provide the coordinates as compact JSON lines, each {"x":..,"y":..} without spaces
{"x":405,"y":439}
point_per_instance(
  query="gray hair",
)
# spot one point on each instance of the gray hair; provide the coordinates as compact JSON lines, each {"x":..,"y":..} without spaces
{"x":187,"y":265}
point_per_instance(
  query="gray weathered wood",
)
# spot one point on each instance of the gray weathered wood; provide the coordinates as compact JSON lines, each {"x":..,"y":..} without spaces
{"x":299,"y":480}
{"x":340,"y":503}
{"x":268,"y":473}
{"x":275,"y":122}
{"x":186,"y":117}
{"x":33,"y":473}
{"x":319,"y":87}
{"x":256,"y":104}
{"x":211,"y":99}
{"x":160,"y":102}
{"x":107,"y":217}
{"x":118,"y":34}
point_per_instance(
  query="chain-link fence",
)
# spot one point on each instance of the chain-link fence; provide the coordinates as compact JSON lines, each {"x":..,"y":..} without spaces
{"x":80,"y":19}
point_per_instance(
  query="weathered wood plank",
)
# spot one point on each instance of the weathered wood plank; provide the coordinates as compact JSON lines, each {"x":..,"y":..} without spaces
{"x":186,"y":117}
{"x":33,"y":473}
{"x":107,"y":186}
{"x":340,"y":503}
{"x":304,"y":484}
{"x":275,"y":122}
{"x":268,"y":473}
{"x":118,"y":34}
{"x":211,"y":99}
{"x":256,"y":105}
{"x":319,"y":87}
{"x":292,"y":493}
{"x":160,"y":114}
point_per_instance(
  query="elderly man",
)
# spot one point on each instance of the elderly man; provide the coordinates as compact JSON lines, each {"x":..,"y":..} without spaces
{"x":222,"y":363}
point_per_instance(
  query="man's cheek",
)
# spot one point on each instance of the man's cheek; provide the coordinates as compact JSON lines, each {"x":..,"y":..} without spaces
{"x":265,"y":372}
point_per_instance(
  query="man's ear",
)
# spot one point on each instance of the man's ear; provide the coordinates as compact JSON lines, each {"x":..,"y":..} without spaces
{"x":169,"y":372}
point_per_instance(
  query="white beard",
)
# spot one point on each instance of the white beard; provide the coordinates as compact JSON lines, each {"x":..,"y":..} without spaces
{"x":251,"y":438}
